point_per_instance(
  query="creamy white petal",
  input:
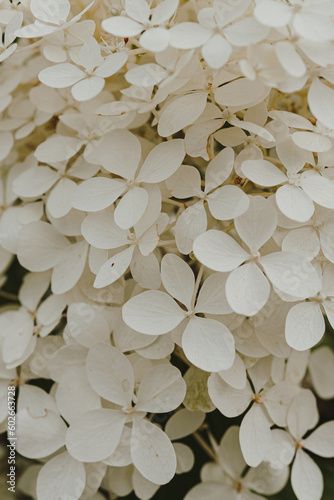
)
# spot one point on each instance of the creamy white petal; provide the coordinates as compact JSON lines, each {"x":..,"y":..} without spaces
{"x":152,"y":312}
{"x":255,"y":436}
{"x":229,"y":401}
{"x":247,"y":289}
{"x":97,"y":193}
{"x":94,"y":435}
{"x":181,"y":112}
{"x":162,"y":162}
{"x":305,"y":326}
{"x":110,"y":374}
{"x":208,"y":344}
{"x":306,"y":478}
{"x":162,"y":389}
{"x":321,"y":441}
{"x":219,"y":251}
{"x":152,"y":452}
{"x":177,"y":278}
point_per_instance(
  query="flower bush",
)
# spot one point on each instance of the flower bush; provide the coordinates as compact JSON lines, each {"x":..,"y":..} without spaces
{"x":167,"y":245}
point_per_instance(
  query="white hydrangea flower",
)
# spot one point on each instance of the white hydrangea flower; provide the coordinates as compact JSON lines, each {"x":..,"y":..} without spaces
{"x":161,"y":389}
{"x":206,"y":342}
{"x":226,"y":476}
{"x":88,"y":82}
{"x":166,"y":211}
{"x":306,"y":477}
{"x":50,"y":16}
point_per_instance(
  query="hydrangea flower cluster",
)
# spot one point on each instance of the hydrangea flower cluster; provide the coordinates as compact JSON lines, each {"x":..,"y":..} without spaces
{"x":167,"y":193}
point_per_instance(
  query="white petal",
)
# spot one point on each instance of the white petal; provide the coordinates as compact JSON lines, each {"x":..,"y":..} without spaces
{"x":74,"y":396}
{"x":38,"y":437}
{"x":146,"y":75}
{"x":181,"y":112}
{"x":112,"y":64}
{"x":321,"y":367}
{"x":306,"y":478}
{"x":97,"y":193}
{"x":183,"y":423}
{"x":145,"y":270}
{"x":177,"y":278}
{"x":164,"y":11}
{"x":272,"y":13}
{"x":17,"y":330}
{"x":50,"y":11}
{"x":321,"y":441}
{"x":317,"y":28}
{"x":121,"y":26}
{"x":216,"y":51}
{"x":152,"y":312}
{"x":155,"y":39}
{"x":290,"y":59}
{"x":304,"y":240}
{"x":218,"y":251}
{"x":61,"y":75}
{"x":245,"y":32}
{"x":291,"y":274}
{"x":229,"y":401}
{"x":114,"y":268}
{"x":68,"y":271}
{"x":282,"y":441}
{"x":61,"y":476}
{"x":120,"y":480}
{"x":33,"y":288}
{"x":141,"y":486}
{"x":88,"y":88}
{"x":208,"y":344}
{"x":263,"y":173}
{"x":185,"y":183}
{"x":162,"y":162}
{"x":152,"y":452}
{"x":57,"y":148}
{"x":305,"y":326}
{"x":118,"y":152}
{"x":319,"y":189}
{"x":321,"y":102}
{"x":302,"y":414}
{"x":131,"y":207}
{"x":241,"y":93}
{"x":312,"y":141}
{"x":161,"y":390}
{"x":228,"y":202}
{"x":100,"y":230}
{"x":294,"y":203}
{"x":236,"y":375}
{"x":86,"y":324}
{"x":247,"y":289}
{"x":277,"y":401}
{"x":35,"y":181}
{"x":188,"y":35}
{"x":219,"y":169}
{"x":40,"y":246}
{"x":210,"y":490}
{"x":256,"y":226}
{"x":94,"y":435}
{"x":212,"y":297}
{"x":59,"y":201}
{"x":185,"y":458}
{"x":190,"y":224}
{"x":121,"y":456}
{"x":110,"y":374}
{"x":266,"y":480}
{"x":255,"y":436}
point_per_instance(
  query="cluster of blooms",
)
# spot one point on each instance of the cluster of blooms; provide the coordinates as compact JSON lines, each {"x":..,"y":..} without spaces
{"x":167,"y":184}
